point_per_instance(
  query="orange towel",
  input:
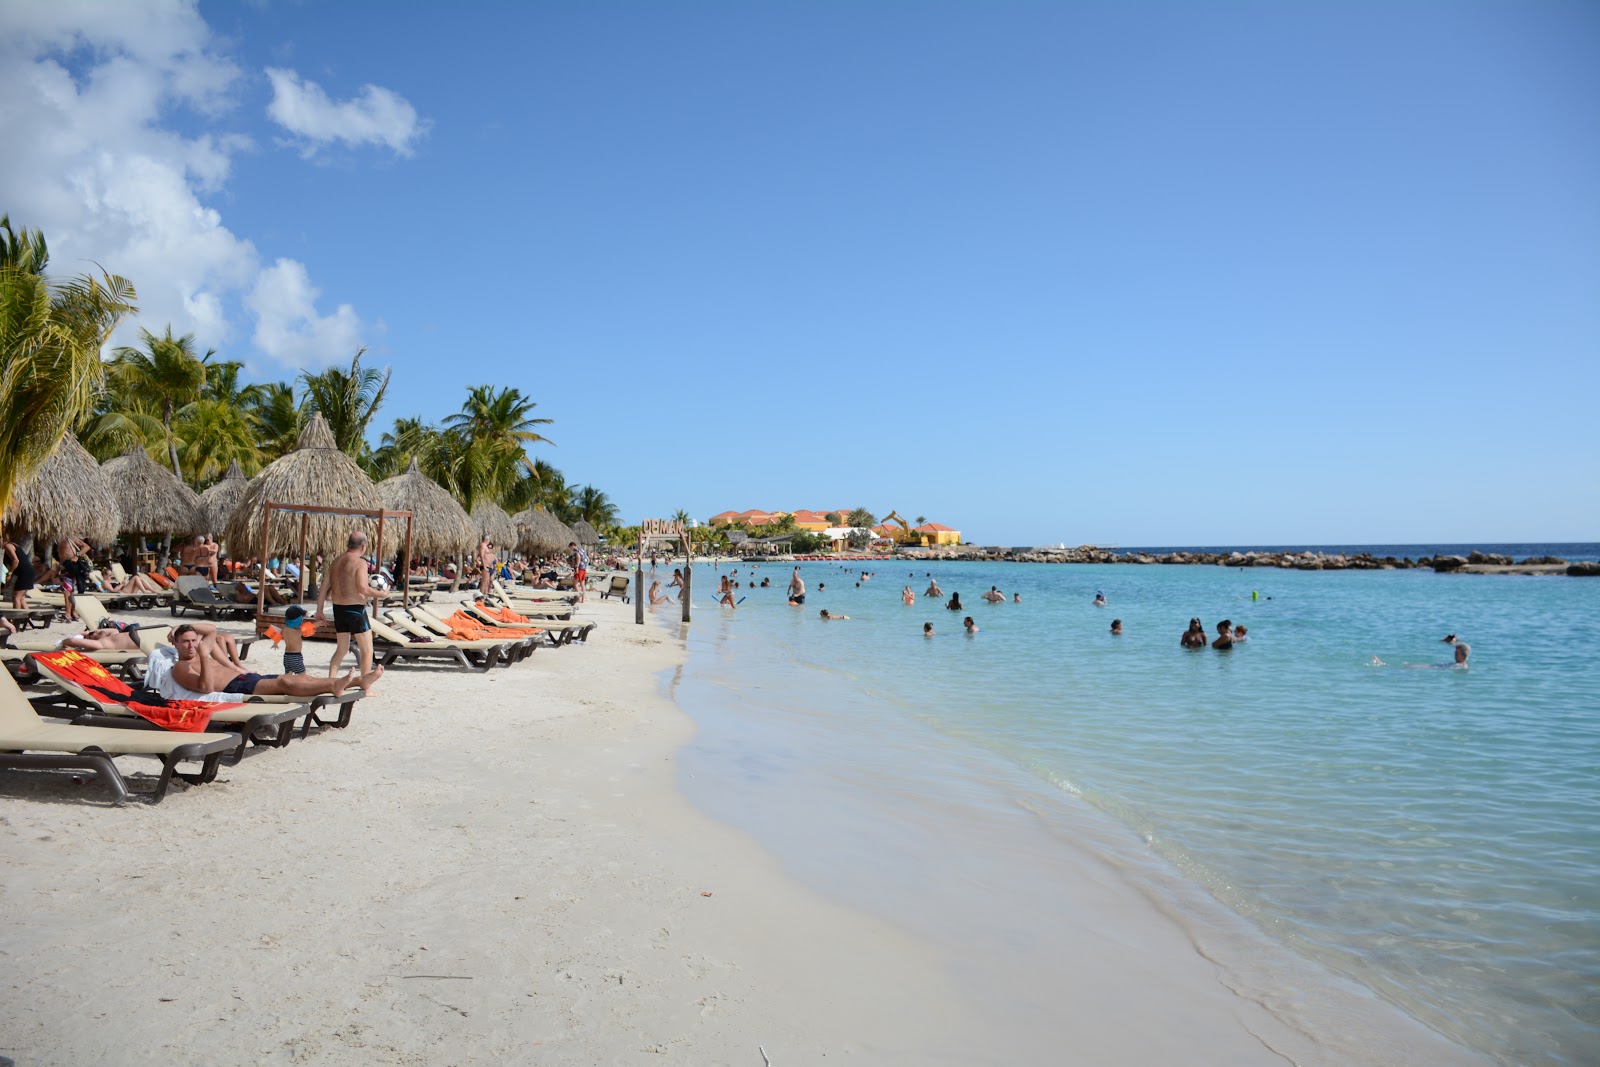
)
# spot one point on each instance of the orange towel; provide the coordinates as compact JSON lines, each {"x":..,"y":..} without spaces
{"x":503,"y":614}
{"x":467,"y":622}
{"x":188,"y":716}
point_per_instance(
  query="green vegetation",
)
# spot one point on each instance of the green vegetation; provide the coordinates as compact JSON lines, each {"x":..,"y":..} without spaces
{"x":193,"y":413}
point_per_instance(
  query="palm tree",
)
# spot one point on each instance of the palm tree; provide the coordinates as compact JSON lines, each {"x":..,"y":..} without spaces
{"x":51,"y":335}
{"x":595,"y":508}
{"x":410,"y":439}
{"x":166,"y":375}
{"x":217,"y":429}
{"x":861,"y":519}
{"x":490,"y":435}
{"x":682,"y":516}
{"x":276,"y":419}
{"x":214,"y":433}
{"x":348,"y":400}
{"x":921,"y":519}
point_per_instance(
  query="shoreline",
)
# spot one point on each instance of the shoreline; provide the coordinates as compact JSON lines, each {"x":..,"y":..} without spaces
{"x":1060,"y":916}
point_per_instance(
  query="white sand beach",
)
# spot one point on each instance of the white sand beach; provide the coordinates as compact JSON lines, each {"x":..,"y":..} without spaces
{"x":499,"y":868}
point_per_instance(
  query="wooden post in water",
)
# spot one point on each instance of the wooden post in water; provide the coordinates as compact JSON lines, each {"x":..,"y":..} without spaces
{"x":688,"y":562}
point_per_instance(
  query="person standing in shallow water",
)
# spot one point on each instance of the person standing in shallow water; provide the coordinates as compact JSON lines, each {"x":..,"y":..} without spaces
{"x":1194,"y":636}
{"x":1224,"y":639}
{"x":1116,"y":627}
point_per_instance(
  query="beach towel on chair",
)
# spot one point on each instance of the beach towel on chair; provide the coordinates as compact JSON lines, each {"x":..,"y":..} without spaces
{"x":503,"y":614}
{"x":188,"y":716}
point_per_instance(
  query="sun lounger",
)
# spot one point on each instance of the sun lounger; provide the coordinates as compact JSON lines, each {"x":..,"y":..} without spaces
{"x":391,"y":646}
{"x":195,"y":594}
{"x":22,"y":618}
{"x":557,"y":636}
{"x":618,"y":587}
{"x":512,"y":648}
{"x":28,"y":742}
{"x":266,"y":721}
{"x":523,"y":641}
{"x":549,"y":596}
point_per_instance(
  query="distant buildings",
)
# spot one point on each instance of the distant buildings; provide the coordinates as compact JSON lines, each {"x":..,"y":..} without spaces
{"x":755,"y":520}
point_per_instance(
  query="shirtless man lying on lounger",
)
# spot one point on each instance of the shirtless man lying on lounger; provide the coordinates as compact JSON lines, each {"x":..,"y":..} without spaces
{"x":204,"y":674}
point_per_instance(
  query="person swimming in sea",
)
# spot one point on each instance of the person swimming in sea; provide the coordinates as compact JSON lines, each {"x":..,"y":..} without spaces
{"x":826,"y":617}
{"x":908,"y":596}
{"x":927,"y":629}
{"x":1099,"y":600}
{"x":971,"y":626}
{"x":994,"y":596}
{"x":954,"y":603}
{"x":1116,"y":627}
{"x":1195,"y":635}
{"x":933,"y":587}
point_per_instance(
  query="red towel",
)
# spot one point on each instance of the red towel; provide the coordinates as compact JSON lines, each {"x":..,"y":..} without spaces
{"x":189,"y":716}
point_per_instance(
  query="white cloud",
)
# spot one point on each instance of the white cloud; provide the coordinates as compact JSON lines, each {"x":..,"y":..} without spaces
{"x":92,"y":160}
{"x":288,"y":327}
{"x":376,"y":116}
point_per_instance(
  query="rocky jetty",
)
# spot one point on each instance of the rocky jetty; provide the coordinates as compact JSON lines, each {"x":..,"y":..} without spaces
{"x":1476,"y":563}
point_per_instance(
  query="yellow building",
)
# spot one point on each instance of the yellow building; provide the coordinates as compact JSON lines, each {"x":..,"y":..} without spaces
{"x":932,"y":533}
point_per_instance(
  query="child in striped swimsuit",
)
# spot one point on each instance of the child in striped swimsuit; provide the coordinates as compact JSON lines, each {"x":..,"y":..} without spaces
{"x":294,"y":661}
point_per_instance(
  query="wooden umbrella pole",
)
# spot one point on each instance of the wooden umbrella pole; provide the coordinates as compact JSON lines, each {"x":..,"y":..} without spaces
{"x":405,"y":569}
{"x":305,"y":561}
{"x":261,"y":585}
{"x":377,"y":554}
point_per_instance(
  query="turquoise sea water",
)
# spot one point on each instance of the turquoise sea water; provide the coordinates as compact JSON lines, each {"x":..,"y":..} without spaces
{"x":1432,"y":834}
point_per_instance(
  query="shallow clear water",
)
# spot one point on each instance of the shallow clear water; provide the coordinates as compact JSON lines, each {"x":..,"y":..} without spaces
{"x":1431,"y":833}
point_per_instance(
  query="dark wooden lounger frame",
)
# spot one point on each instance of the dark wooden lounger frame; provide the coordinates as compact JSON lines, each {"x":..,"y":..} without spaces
{"x":97,"y":760}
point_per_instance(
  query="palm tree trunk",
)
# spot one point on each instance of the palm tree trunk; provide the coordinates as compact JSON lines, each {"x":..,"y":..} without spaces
{"x":172,"y":446}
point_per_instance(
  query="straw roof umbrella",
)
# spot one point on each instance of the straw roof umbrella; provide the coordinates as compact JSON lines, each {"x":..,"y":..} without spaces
{"x":539,"y":531}
{"x":68,"y":496}
{"x":151,"y":498}
{"x":439,"y":525}
{"x":221,"y":498}
{"x":585,"y":534}
{"x":490,"y":520}
{"x":316,"y":474}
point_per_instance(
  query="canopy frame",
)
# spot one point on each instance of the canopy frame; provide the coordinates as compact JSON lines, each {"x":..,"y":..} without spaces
{"x":305,"y":511}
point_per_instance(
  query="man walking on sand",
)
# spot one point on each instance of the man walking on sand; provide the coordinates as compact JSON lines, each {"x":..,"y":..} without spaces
{"x":486,"y":561}
{"x":200,"y":673}
{"x":347,"y":587}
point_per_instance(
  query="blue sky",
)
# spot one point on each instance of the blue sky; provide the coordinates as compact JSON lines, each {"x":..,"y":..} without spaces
{"x":1145,"y":273}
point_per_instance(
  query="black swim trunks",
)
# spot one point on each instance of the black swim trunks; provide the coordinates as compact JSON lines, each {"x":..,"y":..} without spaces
{"x":797,"y":598}
{"x":350,"y":619}
{"x":245,"y":684}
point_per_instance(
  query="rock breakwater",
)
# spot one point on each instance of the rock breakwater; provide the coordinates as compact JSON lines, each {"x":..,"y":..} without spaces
{"x":1476,"y":563}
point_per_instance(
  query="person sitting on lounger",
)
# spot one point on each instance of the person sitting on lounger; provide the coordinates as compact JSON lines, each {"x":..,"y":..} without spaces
{"x":135,"y":583}
{"x":243,"y":594}
{"x":201,"y":673}
{"x":105,"y":639}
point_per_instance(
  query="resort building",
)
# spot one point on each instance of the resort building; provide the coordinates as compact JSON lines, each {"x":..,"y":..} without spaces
{"x":932,"y":533}
{"x":928,"y":534}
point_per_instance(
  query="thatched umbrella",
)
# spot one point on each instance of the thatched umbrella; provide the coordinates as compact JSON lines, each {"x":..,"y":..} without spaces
{"x":585,"y":534}
{"x":490,"y":520}
{"x":153,"y":500}
{"x":315,"y":474}
{"x":539,"y":532}
{"x":68,"y":496}
{"x":440,"y":526}
{"x":222,"y":498}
